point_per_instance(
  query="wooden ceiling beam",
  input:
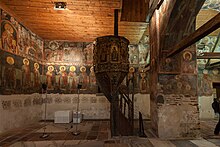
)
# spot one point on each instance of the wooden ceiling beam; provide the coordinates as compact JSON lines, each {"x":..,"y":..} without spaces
{"x":203,"y":31}
{"x":209,"y":55}
{"x":103,"y":4}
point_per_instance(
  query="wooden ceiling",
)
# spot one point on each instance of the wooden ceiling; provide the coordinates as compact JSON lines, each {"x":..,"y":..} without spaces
{"x":83,"y":21}
{"x":204,"y":16}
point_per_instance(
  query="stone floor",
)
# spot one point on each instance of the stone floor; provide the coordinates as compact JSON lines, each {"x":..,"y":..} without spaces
{"x":97,"y":134}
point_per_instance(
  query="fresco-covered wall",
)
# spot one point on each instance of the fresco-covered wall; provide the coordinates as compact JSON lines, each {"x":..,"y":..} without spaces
{"x":206,"y":76}
{"x":28,"y":61}
{"x":68,"y":63}
{"x":21,"y":53}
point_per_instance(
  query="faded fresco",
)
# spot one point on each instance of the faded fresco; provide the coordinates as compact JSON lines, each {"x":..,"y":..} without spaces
{"x":206,"y":77}
{"x":205,"y":80}
{"x":140,"y":53}
{"x":178,"y":84}
{"x":68,"y":52}
{"x":212,"y":4}
{"x":207,"y":44}
{"x":189,"y":62}
{"x":21,"y":51}
{"x":19,"y":74}
{"x":170,"y":65}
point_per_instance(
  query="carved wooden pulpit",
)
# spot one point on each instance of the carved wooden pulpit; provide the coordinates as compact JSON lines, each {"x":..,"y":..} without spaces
{"x":111,"y":65}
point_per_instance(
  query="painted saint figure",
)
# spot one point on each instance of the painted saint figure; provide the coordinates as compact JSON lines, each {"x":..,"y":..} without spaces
{"x":49,"y":77}
{"x":92,"y":79}
{"x":83,"y":77}
{"x":63,"y":77}
{"x":36,"y":75}
{"x":72,"y":78}
{"x":130,"y":81}
{"x":9,"y":74}
{"x":9,"y":43}
{"x":143,"y":83}
{"x":26,"y":74}
{"x":188,"y":64}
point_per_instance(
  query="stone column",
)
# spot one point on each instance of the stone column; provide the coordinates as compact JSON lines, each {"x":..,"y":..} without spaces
{"x":174,"y":99}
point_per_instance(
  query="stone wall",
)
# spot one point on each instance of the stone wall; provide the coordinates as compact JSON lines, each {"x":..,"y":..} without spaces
{"x":174,"y":98}
{"x":178,"y":115}
{"x":19,"y":110}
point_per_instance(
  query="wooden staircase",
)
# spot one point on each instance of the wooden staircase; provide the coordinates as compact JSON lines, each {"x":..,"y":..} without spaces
{"x":126,"y":110}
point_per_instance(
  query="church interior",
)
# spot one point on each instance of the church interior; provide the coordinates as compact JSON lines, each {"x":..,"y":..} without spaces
{"x":104,"y":73}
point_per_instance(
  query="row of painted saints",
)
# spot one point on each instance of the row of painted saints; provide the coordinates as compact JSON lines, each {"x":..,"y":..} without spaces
{"x":26,"y":80}
{"x":54,"y":79}
{"x":68,"y":80}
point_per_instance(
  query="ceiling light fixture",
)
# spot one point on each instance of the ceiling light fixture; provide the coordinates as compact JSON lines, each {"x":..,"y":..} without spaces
{"x":59,"y":5}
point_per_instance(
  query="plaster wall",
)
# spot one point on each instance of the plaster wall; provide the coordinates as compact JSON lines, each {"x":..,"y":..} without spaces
{"x":19,"y":110}
{"x":92,"y":106}
{"x":205,"y":107}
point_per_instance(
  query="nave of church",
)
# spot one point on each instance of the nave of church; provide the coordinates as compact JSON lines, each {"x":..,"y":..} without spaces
{"x":109,"y":72}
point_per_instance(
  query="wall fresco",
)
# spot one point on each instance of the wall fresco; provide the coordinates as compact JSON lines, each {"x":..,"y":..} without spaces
{"x":207,"y":76}
{"x":178,"y":84}
{"x":68,"y":52}
{"x":17,"y":39}
{"x":206,"y":44}
{"x":69,"y":63}
{"x":188,"y":62}
{"x":205,"y":80}
{"x":27,"y":61}
{"x":140,"y":53}
{"x":65,"y":78}
{"x":18,"y":74}
{"x":170,"y":65}
{"x":21,"y":51}
{"x":212,"y":4}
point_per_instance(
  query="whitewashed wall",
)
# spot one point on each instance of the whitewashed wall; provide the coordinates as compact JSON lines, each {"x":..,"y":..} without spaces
{"x":205,"y":107}
{"x":19,"y":110}
{"x":91,"y":105}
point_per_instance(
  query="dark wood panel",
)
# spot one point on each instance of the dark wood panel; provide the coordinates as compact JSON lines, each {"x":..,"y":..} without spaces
{"x":134,"y":10}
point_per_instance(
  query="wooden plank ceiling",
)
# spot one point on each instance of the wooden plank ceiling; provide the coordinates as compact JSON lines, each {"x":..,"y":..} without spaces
{"x":204,"y":16}
{"x":83,"y":21}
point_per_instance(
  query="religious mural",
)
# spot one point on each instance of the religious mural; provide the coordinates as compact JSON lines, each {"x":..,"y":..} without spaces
{"x":27,"y":61}
{"x":68,"y":52}
{"x":17,"y":39}
{"x":19,"y":74}
{"x":21,"y":51}
{"x":139,"y":54}
{"x":178,"y":84}
{"x":206,"y":44}
{"x":188,"y":62}
{"x":211,"y":4}
{"x":170,"y":65}
{"x":206,"y":77}
{"x":65,"y":78}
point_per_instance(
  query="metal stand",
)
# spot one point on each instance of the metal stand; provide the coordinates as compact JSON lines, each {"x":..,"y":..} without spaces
{"x":77,"y":132}
{"x":44,"y":88}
